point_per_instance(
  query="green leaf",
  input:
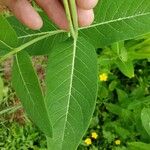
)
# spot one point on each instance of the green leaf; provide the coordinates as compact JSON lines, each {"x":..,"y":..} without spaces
{"x":8,"y":37}
{"x":137,"y":102}
{"x":27,"y":87}
{"x":123,"y":61}
{"x":145,"y":117}
{"x":118,"y":20}
{"x":120,"y":111}
{"x":122,"y":95}
{"x":138,"y":92}
{"x":138,"y":146}
{"x":41,"y":47}
{"x":113,"y":85}
{"x":25,"y":45}
{"x":103,"y":92}
{"x":71,"y":92}
{"x":140,"y":55}
{"x":126,"y":67}
{"x":115,"y":109}
{"x":116,"y":127}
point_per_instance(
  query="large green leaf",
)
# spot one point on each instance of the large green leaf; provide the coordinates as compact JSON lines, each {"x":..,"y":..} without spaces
{"x":8,"y":36}
{"x":118,"y":20}
{"x":145,"y":117}
{"x":41,"y":47}
{"x":27,"y":87}
{"x":71,"y":92}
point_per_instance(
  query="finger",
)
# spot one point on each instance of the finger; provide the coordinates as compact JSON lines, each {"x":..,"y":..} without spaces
{"x":86,"y":4}
{"x":55,"y":12}
{"x":23,"y":10}
{"x":85,"y":17}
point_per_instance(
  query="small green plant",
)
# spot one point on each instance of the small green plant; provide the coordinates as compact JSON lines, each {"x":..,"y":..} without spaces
{"x":63,"y":111}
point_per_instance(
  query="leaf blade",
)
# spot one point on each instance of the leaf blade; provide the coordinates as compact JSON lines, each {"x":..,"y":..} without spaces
{"x":41,"y":47}
{"x":27,"y":87}
{"x":145,"y":117}
{"x":118,"y":20}
{"x":8,"y":36}
{"x":71,"y":92}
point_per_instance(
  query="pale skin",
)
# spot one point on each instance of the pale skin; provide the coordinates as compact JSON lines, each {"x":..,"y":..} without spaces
{"x":24,"y":12}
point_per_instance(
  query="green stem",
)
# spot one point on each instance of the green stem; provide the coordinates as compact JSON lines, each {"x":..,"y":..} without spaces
{"x":71,"y":13}
{"x":39,"y":34}
{"x":18,"y":49}
{"x":74,"y":15}
{"x":66,"y":5}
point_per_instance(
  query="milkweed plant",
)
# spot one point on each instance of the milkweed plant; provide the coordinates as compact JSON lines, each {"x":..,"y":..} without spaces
{"x":63,"y":111}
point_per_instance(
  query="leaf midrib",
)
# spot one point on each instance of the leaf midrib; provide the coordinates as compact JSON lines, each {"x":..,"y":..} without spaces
{"x":115,"y":20}
{"x":70,"y":86}
{"x":91,"y":26}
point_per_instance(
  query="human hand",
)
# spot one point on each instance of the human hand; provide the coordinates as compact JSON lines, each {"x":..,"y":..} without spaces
{"x":24,"y":12}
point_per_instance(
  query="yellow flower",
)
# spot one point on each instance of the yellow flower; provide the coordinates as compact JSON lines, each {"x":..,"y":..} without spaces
{"x":94,"y":135}
{"x":103,"y":77}
{"x":117,"y":142}
{"x":88,"y":141}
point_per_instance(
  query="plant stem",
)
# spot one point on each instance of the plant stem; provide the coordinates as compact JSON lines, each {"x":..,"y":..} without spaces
{"x":39,"y":34}
{"x":68,"y":14}
{"x":74,"y":15}
{"x":18,"y":49}
{"x":71,"y":13}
